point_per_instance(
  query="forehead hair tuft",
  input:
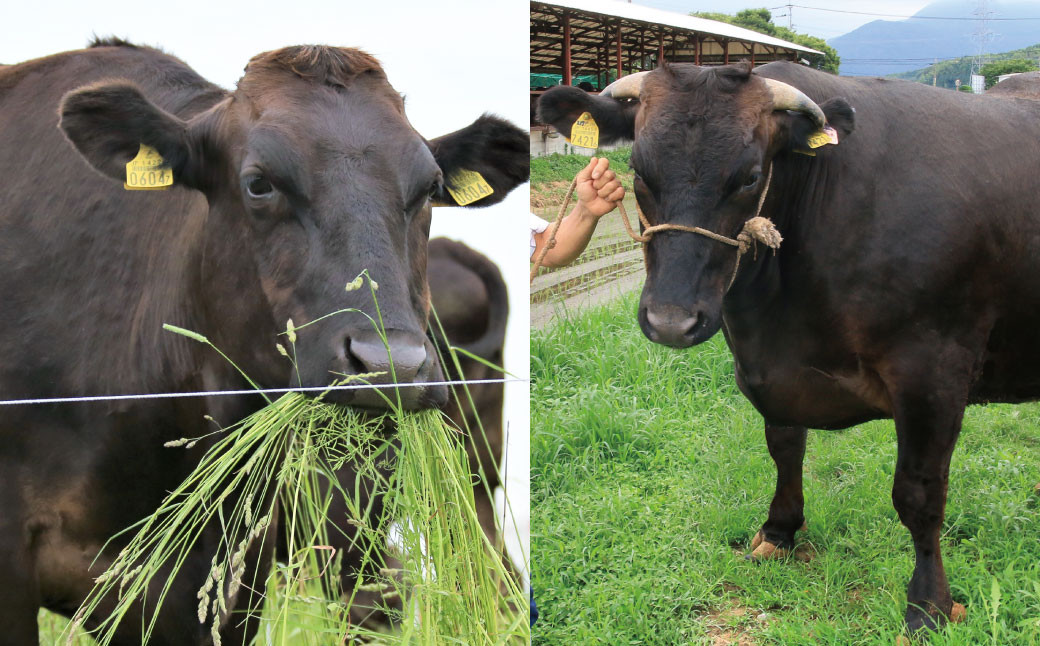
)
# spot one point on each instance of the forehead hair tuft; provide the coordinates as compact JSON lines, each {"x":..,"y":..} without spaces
{"x":332,"y":66}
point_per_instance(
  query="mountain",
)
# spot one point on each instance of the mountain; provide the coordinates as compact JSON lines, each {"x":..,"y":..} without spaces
{"x":884,"y":47}
{"x":947,"y":72}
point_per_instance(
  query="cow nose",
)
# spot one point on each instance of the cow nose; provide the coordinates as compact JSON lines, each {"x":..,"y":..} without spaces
{"x":368,"y":352}
{"x":669,"y":325}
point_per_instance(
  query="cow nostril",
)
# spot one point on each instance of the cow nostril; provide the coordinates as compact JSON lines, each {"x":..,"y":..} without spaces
{"x":369,"y":353}
{"x":671,"y":326}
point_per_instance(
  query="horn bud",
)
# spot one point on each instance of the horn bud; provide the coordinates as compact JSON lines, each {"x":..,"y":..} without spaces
{"x":788,"y":97}
{"x":626,"y":87}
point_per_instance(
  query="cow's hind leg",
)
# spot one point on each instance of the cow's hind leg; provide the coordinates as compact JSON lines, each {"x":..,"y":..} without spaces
{"x":776,"y":538}
{"x":928,"y":414}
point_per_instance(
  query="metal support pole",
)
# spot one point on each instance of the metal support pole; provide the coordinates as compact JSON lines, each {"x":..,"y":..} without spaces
{"x":567,"y":48}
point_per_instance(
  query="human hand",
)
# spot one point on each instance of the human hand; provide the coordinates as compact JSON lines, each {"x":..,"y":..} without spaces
{"x":598,"y":188}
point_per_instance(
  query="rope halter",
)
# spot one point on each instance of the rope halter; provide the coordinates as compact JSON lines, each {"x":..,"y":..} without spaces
{"x":757,"y":229}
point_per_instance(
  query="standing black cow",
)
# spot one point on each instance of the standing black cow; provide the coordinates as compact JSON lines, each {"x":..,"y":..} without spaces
{"x":905,"y":286}
{"x":285,"y":189}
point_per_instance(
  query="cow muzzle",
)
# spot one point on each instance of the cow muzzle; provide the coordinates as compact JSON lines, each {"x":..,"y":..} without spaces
{"x":403,"y":358}
{"x":674,"y":326}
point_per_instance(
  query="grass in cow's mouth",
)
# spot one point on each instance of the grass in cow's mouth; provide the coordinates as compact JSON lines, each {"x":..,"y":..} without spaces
{"x":650,"y":475}
{"x":452,"y":581}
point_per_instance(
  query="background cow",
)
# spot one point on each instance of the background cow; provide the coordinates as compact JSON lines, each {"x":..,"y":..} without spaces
{"x":905,"y":286}
{"x":285,"y":189}
{"x":1024,"y":86}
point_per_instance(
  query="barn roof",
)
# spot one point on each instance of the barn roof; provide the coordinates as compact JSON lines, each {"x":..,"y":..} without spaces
{"x":594,"y":26}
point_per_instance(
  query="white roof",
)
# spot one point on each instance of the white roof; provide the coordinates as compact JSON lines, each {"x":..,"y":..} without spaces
{"x":682,"y":21}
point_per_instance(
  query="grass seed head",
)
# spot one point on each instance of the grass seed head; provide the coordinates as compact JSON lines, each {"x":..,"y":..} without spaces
{"x":355,"y":284}
{"x":290,"y":331}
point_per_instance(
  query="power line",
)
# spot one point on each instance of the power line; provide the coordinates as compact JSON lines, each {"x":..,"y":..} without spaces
{"x":891,"y":15}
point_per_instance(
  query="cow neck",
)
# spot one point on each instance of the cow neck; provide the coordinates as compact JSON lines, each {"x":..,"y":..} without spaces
{"x":757,"y":285}
{"x":764,"y":286}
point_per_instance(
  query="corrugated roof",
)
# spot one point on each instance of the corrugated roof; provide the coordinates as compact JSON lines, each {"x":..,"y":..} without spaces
{"x":657,"y":16}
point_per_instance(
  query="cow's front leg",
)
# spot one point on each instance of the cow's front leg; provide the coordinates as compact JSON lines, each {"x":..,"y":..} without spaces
{"x":927,"y":426}
{"x":19,"y":596}
{"x":776,"y":538}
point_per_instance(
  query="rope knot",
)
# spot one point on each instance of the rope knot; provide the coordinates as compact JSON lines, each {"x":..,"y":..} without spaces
{"x":758,"y":229}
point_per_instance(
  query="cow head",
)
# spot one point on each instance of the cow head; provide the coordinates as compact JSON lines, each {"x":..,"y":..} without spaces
{"x":313,"y":174}
{"x":704,"y":140}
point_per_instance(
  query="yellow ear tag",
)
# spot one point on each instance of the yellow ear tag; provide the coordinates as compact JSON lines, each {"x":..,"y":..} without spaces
{"x":827,"y":135}
{"x":468,"y":186}
{"x":585,"y":132}
{"x":145,"y":172}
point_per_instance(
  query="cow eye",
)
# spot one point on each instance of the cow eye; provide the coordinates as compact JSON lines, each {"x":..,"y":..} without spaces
{"x":751,"y":180}
{"x":258,"y":186}
{"x":435,"y":189}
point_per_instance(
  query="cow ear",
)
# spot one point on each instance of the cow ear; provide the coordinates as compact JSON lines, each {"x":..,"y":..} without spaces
{"x":561,"y":106}
{"x":840,"y":115}
{"x":482,"y":162}
{"x":803,"y":136}
{"x":107,"y":122}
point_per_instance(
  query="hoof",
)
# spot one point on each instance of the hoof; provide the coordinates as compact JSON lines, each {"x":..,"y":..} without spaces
{"x":919,"y":623}
{"x":761,"y":549}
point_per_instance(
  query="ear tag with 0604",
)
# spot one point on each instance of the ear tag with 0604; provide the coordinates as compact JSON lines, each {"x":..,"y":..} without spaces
{"x":466,"y":187}
{"x":146,"y":172}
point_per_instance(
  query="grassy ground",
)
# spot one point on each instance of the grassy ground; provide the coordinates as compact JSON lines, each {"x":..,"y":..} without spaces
{"x":650,"y":475}
{"x":551,"y":175}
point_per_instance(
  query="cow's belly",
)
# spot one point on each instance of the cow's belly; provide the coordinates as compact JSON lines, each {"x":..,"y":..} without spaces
{"x":813,"y":394}
{"x":1010,"y":367}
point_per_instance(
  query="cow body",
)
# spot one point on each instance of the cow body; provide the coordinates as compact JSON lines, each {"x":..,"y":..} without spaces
{"x":905,"y":284}
{"x":472,"y":305}
{"x":285,"y":189}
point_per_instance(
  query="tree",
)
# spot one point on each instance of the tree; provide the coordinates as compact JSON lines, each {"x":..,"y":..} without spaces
{"x":761,"y":20}
{"x":1011,"y":66}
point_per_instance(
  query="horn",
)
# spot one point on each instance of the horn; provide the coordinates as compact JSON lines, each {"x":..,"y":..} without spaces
{"x":787,"y":97}
{"x":626,"y":87}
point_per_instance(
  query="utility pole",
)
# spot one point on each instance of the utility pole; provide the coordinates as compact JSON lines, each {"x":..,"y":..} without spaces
{"x":982,"y":35}
{"x":790,"y":17}
{"x":935,"y":72}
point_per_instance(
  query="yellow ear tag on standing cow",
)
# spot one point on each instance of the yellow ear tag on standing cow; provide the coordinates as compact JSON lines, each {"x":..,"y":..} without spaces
{"x":146,"y":173}
{"x":467,"y":186}
{"x":585,"y":132}
{"x":822,"y":137}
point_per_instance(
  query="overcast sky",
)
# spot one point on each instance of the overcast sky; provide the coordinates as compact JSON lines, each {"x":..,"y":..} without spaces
{"x":822,"y":24}
{"x":453,"y":60}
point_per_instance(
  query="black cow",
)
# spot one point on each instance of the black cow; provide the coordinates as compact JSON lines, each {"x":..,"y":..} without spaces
{"x":905,"y":286}
{"x":284,"y":190}
{"x":1022,"y":86}
{"x":472,"y":305}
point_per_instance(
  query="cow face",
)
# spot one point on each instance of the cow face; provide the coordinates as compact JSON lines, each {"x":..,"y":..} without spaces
{"x":704,"y":139}
{"x":314,"y":175}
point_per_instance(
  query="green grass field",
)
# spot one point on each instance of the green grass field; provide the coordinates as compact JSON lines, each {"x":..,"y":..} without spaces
{"x":650,"y":475}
